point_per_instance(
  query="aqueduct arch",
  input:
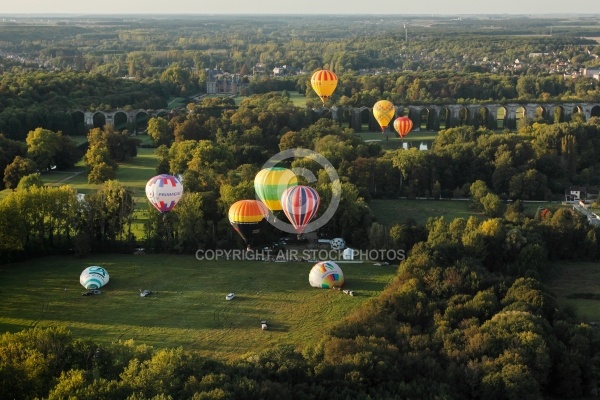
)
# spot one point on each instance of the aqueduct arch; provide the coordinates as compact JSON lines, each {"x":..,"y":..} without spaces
{"x":430,"y":117}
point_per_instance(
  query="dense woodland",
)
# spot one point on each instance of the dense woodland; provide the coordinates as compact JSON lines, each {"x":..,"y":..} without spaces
{"x":467,"y":316}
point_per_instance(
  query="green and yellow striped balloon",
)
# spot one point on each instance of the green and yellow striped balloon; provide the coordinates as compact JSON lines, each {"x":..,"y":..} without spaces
{"x":270,"y":183}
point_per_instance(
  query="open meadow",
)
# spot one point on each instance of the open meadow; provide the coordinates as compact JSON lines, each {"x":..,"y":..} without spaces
{"x":393,"y":141}
{"x":187,"y":307}
{"x":576,"y":285}
{"x":133,"y":174}
{"x":397,"y":211}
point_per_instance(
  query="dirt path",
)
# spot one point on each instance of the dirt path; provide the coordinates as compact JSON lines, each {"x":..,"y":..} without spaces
{"x":73,"y":175}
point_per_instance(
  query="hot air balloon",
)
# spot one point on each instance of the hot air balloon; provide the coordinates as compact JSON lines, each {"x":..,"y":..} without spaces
{"x":300,"y":204}
{"x":383,"y":111}
{"x":270,"y":183}
{"x":323,"y":83}
{"x":164,"y":191}
{"x":93,"y":277}
{"x":326,"y":275}
{"x":403,"y":125}
{"x":245,"y":216}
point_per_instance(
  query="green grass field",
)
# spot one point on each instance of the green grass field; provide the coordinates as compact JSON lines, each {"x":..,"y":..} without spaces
{"x":188,"y":306}
{"x":395,"y":211}
{"x":577,"y":285}
{"x":79,"y":139}
{"x":176,"y":102}
{"x":390,"y":212}
{"x":414,"y":139}
{"x":133,"y":175}
{"x":299,"y":100}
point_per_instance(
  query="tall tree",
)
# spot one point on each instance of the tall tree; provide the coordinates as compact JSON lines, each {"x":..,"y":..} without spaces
{"x":19,"y":168}
{"x":160,"y":131}
{"x":43,"y":145}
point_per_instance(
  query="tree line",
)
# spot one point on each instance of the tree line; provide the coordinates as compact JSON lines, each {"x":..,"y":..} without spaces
{"x":31,"y":100}
{"x":108,"y":64}
{"x":218,"y":151}
{"x":145,"y":47}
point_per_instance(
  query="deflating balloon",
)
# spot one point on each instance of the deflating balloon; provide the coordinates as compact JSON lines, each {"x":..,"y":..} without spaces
{"x":326,"y":274}
{"x":383,"y":111}
{"x":324,"y":83}
{"x":403,"y":125}
{"x":300,"y":204}
{"x":93,"y":277}
{"x":164,"y":191}
{"x":270,"y":183}
{"x":245,"y":216}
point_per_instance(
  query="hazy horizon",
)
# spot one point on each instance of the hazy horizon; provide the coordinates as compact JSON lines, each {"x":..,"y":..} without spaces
{"x":307,"y":7}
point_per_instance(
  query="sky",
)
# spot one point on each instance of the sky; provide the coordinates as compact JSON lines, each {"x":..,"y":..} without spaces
{"x":421,"y":7}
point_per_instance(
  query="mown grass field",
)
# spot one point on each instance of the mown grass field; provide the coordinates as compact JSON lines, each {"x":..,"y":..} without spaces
{"x":188,"y":306}
{"x":389,"y":212}
{"x":299,"y":100}
{"x":133,"y":175}
{"x":392,"y":211}
{"x":393,"y":141}
{"x":577,"y":286}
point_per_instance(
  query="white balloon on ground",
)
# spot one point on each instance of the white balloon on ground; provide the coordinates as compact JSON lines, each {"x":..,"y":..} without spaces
{"x":93,"y":277}
{"x":338,"y":244}
{"x":326,"y":275}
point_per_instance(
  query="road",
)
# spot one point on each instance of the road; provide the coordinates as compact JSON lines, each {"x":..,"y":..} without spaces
{"x":592,"y":218}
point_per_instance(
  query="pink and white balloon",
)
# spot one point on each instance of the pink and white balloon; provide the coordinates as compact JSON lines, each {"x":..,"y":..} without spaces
{"x":164,"y":191}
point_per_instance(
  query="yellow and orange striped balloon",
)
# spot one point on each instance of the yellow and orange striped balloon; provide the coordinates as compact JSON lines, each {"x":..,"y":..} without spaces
{"x":247,"y":212}
{"x":245,"y":217}
{"x":324,"y":83}
{"x":403,"y":125}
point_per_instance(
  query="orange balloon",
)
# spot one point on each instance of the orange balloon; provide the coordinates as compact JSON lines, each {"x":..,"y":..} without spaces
{"x":245,"y":216}
{"x":403,"y":125}
{"x":324,"y":83}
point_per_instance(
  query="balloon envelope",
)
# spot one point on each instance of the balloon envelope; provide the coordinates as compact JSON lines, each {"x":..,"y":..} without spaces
{"x":245,"y":216}
{"x":93,"y":277}
{"x":270,"y":183}
{"x":403,"y":125}
{"x":300,"y":204}
{"x":164,"y":191}
{"x":338,"y":244}
{"x":326,"y":274}
{"x":324,"y":83}
{"x":383,"y":111}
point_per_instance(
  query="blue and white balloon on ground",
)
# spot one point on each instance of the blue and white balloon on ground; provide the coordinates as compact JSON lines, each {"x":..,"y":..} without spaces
{"x":93,"y":277}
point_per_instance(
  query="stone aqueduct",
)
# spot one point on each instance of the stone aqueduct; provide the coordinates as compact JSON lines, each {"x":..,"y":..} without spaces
{"x":492,"y":116}
{"x":97,"y":119}
{"x":431,"y":117}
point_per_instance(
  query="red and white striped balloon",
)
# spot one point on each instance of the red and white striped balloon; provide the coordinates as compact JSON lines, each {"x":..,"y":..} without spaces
{"x":300,"y":204}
